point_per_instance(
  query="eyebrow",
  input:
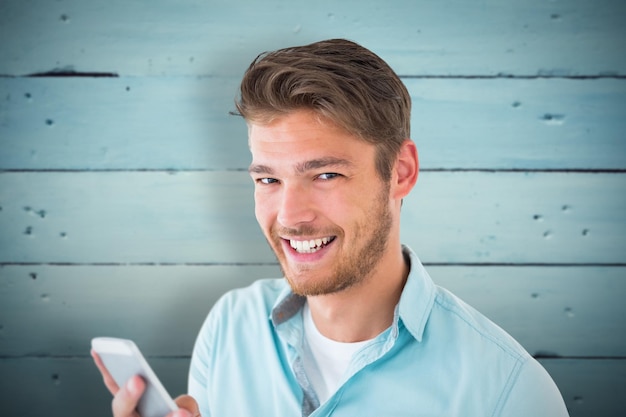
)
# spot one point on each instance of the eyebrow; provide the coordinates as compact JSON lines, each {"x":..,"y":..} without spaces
{"x":305,"y":166}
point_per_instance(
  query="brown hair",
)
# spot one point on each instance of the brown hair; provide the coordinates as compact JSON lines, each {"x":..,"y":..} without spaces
{"x":339,"y":80}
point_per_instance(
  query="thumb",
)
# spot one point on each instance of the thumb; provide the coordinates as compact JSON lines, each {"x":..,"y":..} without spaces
{"x":126,"y":399}
{"x":188,"y":407}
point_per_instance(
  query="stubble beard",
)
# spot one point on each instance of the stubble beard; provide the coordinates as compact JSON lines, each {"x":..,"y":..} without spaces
{"x":353,"y":267}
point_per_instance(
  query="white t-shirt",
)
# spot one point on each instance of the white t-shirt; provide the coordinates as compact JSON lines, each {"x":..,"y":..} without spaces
{"x":325,"y":361}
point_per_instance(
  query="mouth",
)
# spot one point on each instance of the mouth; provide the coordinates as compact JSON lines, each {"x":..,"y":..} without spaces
{"x":311,"y":245}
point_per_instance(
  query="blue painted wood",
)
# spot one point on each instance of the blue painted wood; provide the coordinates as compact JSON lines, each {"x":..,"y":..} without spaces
{"x":55,"y":310}
{"x":183,"y":123}
{"x":589,"y":387}
{"x":161,"y":307}
{"x":125,"y":123}
{"x":35,"y":387}
{"x":592,"y":387}
{"x":519,"y":124}
{"x":208,"y":217}
{"x":553,"y":311}
{"x":546,"y":218}
{"x":451,"y":37}
{"x":179,"y":64}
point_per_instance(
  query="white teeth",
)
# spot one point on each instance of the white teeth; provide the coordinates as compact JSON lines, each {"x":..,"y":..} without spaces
{"x":308,"y":246}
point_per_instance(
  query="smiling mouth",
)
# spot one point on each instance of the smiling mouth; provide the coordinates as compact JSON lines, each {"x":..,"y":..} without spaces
{"x":310,"y":246}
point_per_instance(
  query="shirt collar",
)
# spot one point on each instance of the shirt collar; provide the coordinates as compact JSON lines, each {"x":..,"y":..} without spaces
{"x":418,"y":296}
{"x":286,"y":306}
{"x":413,"y":309}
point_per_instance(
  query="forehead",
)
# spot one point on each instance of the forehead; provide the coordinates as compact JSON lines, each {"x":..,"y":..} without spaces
{"x":302,"y":135}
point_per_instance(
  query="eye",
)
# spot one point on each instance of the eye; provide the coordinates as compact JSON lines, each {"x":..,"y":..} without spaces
{"x":328,"y":175}
{"x":266,"y":181}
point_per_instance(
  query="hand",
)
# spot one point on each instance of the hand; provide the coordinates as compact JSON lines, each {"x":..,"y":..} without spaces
{"x":125,"y":399}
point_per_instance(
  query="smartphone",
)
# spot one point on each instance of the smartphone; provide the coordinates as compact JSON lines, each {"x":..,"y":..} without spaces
{"x":123,"y":360}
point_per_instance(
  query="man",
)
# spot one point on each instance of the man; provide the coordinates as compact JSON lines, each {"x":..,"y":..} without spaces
{"x":357,"y":327}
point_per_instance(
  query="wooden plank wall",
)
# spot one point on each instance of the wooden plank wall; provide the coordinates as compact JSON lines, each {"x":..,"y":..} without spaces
{"x":125,"y":208}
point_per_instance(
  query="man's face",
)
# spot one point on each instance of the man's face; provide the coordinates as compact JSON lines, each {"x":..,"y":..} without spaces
{"x":319,"y":201}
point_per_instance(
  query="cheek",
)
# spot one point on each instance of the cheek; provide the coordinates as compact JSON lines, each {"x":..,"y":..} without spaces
{"x":262,"y":210}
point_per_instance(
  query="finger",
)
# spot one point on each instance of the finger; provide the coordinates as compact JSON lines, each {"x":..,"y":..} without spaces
{"x":188,"y":407}
{"x":126,"y":399}
{"x":106,"y":376}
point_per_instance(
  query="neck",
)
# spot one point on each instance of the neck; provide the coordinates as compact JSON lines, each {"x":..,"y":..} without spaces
{"x":365,"y":310}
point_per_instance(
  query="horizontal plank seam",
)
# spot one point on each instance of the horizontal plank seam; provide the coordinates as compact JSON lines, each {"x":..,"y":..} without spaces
{"x":524,"y":170}
{"x":45,"y":356}
{"x":108,"y":74}
{"x":174,"y":171}
{"x":451,"y":264}
{"x":64,"y":74}
{"x":2,"y":264}
{"x":519,"y":77}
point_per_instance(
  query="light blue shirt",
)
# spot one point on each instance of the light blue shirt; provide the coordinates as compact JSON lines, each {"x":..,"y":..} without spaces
{"x":440,"y":357}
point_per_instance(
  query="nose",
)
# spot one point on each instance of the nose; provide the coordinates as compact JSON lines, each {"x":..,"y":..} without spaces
{"x":296,"y":206}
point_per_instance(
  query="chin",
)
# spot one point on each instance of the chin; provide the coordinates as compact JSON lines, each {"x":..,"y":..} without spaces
{"x":313,"y":286}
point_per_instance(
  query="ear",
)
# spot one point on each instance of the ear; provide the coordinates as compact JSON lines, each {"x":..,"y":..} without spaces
{"x":406,"y":170}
